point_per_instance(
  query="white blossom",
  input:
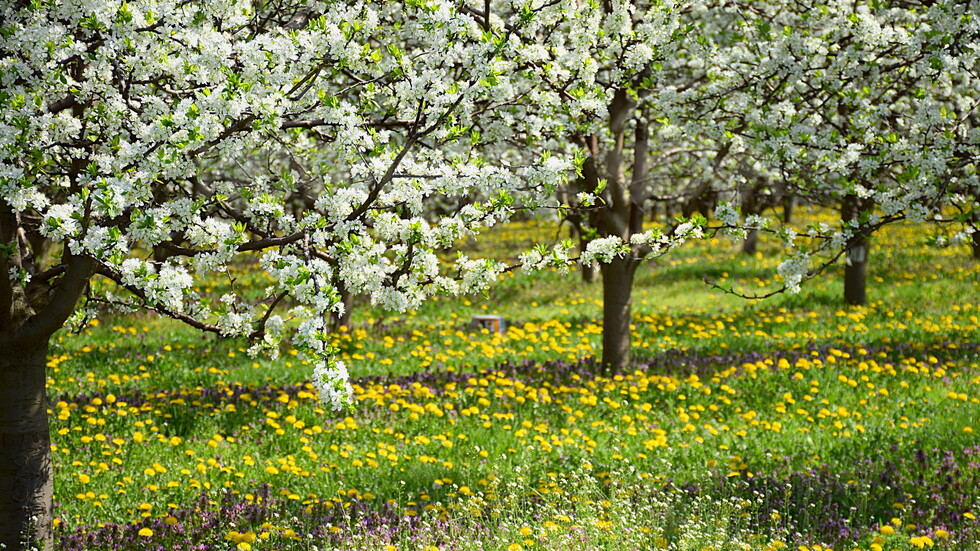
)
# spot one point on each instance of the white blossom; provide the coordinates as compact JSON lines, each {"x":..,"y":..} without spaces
{"x":793,"y":270}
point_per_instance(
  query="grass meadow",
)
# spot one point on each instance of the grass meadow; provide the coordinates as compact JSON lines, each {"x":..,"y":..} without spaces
{"x":791,"y":423}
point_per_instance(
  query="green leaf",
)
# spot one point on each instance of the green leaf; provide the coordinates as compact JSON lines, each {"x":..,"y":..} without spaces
{"x":124,"y":14}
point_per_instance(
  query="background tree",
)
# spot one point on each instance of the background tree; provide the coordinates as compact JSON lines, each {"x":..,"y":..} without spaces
{"x":604,"y":56}
{"x":866,"y":106}
{"x":862,"y":106}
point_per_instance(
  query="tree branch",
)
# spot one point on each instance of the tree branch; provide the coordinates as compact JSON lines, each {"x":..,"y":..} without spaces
{"x":138,"y":293}
{"x":39,"y":328}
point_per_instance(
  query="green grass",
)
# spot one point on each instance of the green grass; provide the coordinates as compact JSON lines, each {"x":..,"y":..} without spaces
{"x":745,"y":425}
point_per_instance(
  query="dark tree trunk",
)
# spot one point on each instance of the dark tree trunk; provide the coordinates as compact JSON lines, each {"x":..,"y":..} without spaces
{"x":750,"y":206}
{"x":751,"y":241}
{"x":856,"y":273}
{"x":589,"y":273}
{"x":26,"y":478}
{"x":856,"y":268}
{"x":37,"y":244}
{"x":617,"y":290}
{"x":668,"y":212}
{"x":28,"y":318}
{"x":787,"y":200}
{"x":976,"y":244}
{"x":975,"y":241}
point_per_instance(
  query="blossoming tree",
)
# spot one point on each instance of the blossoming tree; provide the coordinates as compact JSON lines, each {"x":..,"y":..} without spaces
{"x":189,"y":128}
{"x":867,"y":106}
{"x":606,"y":53}
{"x":864,"y":105}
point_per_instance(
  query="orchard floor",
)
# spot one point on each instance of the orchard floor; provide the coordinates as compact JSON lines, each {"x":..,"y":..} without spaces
{"x":792,"y":423}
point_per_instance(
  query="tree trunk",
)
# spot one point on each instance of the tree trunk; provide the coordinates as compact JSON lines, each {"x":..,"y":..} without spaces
{"x":976,"y":244}
{"x":750,"y":243}
{"x":856,"y":269}
{"x":589,"y":273}
{"x":787,"y":199}
{"x":617,"y":290}
{"x":26,"y":478}
{"x":753,"y":203}
{"x":750,"y":206}
{"x":975,"y":241}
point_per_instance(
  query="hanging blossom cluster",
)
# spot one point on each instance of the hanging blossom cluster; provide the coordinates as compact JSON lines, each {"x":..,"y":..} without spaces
{"x":312,"y":138}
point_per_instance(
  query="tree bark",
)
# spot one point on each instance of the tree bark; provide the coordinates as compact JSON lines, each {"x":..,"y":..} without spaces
{"x":669,"y":206}
{"x":750,"y":206}
{"x":26,"y":477}
{"x":617,"y":290}
{"x":749,"y":246}
{"x":589,"y":273}
{"x":856,"y":268}
{"x":787,"y":200}
{"x":28,"y":318}
{"x":975,"y":241}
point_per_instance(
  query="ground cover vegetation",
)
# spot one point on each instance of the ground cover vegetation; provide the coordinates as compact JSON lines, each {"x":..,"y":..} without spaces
{"x":789,"y":423}
{"x":315,"y":152}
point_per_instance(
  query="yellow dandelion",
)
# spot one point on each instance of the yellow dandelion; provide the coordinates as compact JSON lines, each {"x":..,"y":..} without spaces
{"x":922,"y":542}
